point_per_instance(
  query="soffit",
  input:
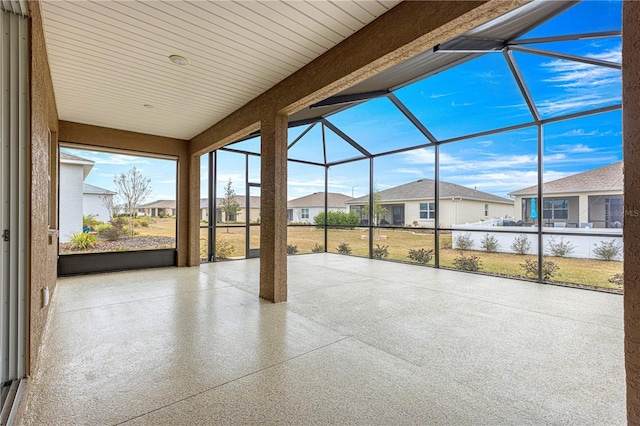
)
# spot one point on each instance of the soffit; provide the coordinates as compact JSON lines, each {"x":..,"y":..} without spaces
{"x":110,"y":58}
{"x":504,"y":28}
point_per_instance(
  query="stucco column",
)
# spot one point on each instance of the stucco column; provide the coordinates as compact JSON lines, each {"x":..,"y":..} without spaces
{"x":631,"y":232}
{"x":583,"y":208}
{"x":273,"y":208}
{"x":193,"y":211}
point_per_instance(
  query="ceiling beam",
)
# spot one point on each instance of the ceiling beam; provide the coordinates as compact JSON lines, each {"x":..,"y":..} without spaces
{"x":409,"y":28}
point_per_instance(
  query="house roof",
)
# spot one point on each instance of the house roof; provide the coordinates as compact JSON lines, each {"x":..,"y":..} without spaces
{"x":159,"y":204}
{"x":241,"y":199}
{"x":605,"y":178}
{"x":92,"y":189}
{"x":316,"y":199}
{"x":86,"y":164}
{"x":424,"y":189}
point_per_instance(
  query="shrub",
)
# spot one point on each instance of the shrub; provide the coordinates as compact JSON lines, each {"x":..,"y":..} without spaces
{"x":347,"y":220}
{"x":82,"y":240}
{"x":343,"y":248}
{"x":531,"y":268}
{"x":467,"y":263}
{"x":114,"y":231}
{"x":291,"y":249}
{"x":318,"y":248}
{"x":144,"y":223}
{"x":224,"y":249}
{"x":102,"y":226}
{"x":489,"y":243}
{"x":521,"y":244}
{"x":607,"y":250}
{"x":422,"y":256}
{"x":463,"y":241}
{"x":380,"y":252}
{"x":617,"y":279}
{"x":89,"y":221}
{"x":560,"y":248}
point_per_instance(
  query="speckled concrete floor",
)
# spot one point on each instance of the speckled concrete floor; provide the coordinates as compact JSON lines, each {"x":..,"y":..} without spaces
{"x":359,"y":342}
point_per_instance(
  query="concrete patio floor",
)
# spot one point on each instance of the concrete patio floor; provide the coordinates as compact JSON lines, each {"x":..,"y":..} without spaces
{"x":359,"y":342}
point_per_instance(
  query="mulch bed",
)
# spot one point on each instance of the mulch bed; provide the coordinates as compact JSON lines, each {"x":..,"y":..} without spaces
{"x":124,"y":244}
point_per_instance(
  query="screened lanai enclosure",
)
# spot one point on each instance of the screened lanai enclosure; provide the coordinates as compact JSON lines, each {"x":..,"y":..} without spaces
{"x":497,"y":152}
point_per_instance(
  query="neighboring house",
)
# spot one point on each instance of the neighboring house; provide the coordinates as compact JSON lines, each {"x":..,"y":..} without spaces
{"x":73,"y":172}
{"x":240,"y":216}
{"x":158,"y":208}
{"x":95,"y":201}
{"x":588,"y":199}
{"x":413,"y":204}
{"x":304,"y":209}
{"x":78,"y":199}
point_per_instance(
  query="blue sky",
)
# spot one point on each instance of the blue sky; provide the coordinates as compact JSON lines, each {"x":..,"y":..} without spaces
{"x":477,"y":96}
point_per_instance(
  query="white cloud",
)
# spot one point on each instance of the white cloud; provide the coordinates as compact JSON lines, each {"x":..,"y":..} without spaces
{"x":572,"y":148}
{"x":417,"y":172}
{"x":439,"y":95}
{"x":581,"y":85}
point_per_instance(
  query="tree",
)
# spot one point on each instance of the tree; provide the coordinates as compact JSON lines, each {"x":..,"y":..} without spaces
{"x":229,"y":204}
{"x":107,"y":202}
{"x":132,"y":189}
{"x":379,"y":210}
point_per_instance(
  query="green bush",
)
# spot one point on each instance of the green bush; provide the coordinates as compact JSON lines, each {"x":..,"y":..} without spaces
{"x":82,"y":240}
{"x":114,"y":231}
{"x":607,"y":250}
{"x":380,"y":252}
{"x":144,"y":223}
{"x":521,"y":244}
{"x":343,"y":248}
{"x":489,"y":243}
{"x":89,"y":221}
{"x":463,"y":241}
{"x":347,"y":220}
{"x":467,"y":263}
{"x":291,"y":249}
{"x":548,"y":268}
{"x":422,"y":256}
{"x":224,"y":249}
{"x":318,"y":248}
{"x":560,"y":248}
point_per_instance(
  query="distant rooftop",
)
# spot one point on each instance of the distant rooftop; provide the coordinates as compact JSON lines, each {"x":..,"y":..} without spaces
{"x":92,"y":189}
{"x":316,"y":199}
{"x":605,"y":178}
{"x":424,"y":189}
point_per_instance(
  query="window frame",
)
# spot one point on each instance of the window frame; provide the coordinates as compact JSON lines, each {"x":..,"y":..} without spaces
{"x":429,"y":211}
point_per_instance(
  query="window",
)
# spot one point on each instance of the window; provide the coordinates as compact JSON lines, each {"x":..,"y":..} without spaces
{"x":305,"y":213}
{"x":556,"y":209}
{"x":486,"y":210}
{"x":427,"y":210}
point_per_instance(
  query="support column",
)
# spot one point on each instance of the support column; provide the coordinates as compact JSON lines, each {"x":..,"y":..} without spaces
{"x":631,"y":231}
{"x":193,"y":210}
{"x":273,"y":208}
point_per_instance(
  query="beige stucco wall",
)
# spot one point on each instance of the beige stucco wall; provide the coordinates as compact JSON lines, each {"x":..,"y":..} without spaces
{"x":457,"y":212}
{"x":43,"y":249}
{"x":102,"y":137}
{"x":631,"y":232}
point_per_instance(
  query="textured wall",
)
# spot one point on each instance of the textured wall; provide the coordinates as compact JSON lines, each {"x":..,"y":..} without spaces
{"x":44,"y":117}
{"x":102,"y":137}
{"x":631,"y":134}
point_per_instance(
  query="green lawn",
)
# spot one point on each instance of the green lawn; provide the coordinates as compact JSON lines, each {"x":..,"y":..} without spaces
{"x":594,"y":273}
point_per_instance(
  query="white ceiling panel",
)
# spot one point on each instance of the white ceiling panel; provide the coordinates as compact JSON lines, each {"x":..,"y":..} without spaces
{"x":110,"y":58}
